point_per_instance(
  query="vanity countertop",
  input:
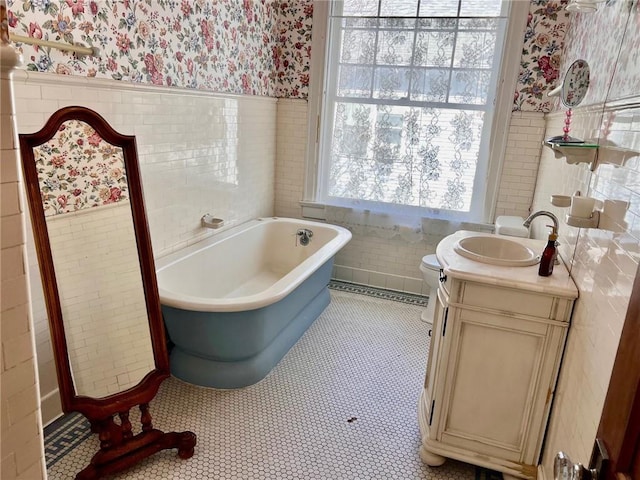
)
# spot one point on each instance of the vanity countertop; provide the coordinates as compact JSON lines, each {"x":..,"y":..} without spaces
{"x":525,"y":278}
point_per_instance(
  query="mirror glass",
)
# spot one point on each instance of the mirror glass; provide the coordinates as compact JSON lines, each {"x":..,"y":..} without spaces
{"x":85,"y":197}
{"x":575,"y":84}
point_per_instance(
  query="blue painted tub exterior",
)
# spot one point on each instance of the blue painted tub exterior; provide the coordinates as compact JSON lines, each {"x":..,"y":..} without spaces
{"x":238,"y":349}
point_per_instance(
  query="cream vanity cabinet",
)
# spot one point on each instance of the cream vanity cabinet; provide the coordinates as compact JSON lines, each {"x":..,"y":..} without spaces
{"x":496,"y":346}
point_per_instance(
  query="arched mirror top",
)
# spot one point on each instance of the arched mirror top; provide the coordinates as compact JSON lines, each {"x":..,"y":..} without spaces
{"x":575,"y":84}
{"x":94,"y":250}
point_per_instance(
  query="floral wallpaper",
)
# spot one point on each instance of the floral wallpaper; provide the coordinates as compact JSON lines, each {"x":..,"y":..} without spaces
{"x":257,"y":47}
{"x":293,"y":48}
{"x":77,"y":169}
{"x":541,"y":55}
{"x":223,"y":45}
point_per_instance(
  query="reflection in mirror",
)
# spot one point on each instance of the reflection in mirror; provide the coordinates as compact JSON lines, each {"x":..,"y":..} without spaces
{"x":85,"y":197}
{"x":575,"y":84}
{"x":98,"y":275}
{"x":572,"y":92}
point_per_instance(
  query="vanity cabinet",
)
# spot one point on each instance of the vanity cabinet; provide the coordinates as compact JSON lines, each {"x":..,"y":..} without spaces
{"x":493,"y":362}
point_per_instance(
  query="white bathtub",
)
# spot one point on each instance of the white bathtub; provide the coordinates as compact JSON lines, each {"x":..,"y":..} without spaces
{"x":235,"y":303}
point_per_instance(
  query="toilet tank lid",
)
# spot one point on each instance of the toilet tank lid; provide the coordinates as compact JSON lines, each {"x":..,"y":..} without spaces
{"x":511,"y":226}
{"x":431,"y":261}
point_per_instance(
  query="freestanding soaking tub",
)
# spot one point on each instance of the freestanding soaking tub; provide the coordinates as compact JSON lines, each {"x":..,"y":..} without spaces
{"x":235,"y":303}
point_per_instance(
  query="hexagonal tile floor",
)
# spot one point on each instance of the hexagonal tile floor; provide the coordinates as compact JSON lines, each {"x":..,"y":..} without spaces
{"x":340,"y":405}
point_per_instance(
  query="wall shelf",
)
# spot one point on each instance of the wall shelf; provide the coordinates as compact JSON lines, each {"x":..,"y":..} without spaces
{"x":613,"y":155}
{"x":575,"y":152}
{"x":591,"y":153}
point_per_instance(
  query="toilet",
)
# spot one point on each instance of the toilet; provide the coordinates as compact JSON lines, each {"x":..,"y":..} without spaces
{"x":507,"y":225}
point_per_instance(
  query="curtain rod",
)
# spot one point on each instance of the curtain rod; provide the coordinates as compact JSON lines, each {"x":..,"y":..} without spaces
{"x":93,"y":51}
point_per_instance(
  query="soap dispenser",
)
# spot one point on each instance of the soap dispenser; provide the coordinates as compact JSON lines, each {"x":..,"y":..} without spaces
{"x":549,"y":254}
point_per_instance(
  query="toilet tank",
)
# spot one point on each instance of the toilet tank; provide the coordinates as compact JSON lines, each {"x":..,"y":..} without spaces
{"x":511,"y":226}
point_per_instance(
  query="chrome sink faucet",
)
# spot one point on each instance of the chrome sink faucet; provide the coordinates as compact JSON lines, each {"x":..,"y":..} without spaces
{"x":544,"y":213}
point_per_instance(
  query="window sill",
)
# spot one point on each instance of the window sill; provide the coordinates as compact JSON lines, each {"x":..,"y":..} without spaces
{"x":431,"y":225}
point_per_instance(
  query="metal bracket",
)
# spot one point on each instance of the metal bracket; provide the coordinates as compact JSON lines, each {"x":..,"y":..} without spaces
{"x":599,"y":461}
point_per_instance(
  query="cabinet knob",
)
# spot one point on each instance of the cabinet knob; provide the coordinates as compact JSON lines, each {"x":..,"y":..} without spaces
{"x":443,"y":277}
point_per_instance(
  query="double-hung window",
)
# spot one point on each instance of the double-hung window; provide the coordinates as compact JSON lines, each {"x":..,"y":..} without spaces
{"x":408,"y":107}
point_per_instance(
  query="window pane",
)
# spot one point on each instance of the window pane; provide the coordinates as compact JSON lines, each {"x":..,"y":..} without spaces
{"x":438,"y":8}
{"x":475,"y":49}
{"x":358,"y":46}
{"x":405,"y":155}
{"x":354,"y":81}
{"x":398,"y":8}
{"x":391,"y":83}
{"x":434,"y":49}
{"x":481,"y":8}
{"x":430,"y":85}
{"x":360,"y":8}
{"x":395,"y":47}
{"x":470,"y":87}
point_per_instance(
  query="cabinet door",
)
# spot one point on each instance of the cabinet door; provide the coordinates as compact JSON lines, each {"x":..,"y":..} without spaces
{"x":501,"y":372}
{"x":435,"y":352}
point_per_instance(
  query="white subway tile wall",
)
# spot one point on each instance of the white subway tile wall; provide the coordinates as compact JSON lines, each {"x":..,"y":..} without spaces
{"x":199,"y":153}
{"x":520,"y":166}
{"x":603,"y":265}
{"x":21,"y":448}
{"x":103,"y":305}
{"x":50,"y":406}
{"x":291,"y":149}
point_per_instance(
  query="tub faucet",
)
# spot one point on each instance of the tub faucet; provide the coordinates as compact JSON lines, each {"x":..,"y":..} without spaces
{"x":304,"y":234}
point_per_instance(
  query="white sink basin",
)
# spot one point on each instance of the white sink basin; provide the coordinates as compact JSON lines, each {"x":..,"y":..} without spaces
{"x":496,"y":251}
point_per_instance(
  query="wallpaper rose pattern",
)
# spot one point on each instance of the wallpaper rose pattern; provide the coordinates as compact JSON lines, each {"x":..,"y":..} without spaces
{"x":77,"y":169}
{"x":293,"y":48}
{"x":223,"y":46}
{"x":541,"y":55}
{"x":258,"y":47}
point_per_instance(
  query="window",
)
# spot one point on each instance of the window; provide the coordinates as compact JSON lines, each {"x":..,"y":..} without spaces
{"x":408,"y":105}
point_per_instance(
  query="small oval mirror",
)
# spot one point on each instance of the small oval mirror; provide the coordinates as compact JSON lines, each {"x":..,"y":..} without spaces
{"x":575,"y":84}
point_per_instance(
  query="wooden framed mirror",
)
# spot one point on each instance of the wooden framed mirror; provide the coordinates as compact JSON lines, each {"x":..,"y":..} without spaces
{"x":94,"y":252}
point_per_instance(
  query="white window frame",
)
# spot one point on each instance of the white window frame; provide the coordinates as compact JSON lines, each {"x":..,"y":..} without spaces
{"x":506,"y":85}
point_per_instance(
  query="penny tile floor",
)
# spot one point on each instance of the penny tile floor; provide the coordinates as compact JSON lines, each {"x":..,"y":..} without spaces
{"x":340,"y":405}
